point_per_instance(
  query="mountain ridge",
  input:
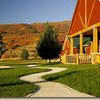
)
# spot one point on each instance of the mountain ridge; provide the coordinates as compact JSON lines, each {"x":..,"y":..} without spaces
{"x":26,"y":36}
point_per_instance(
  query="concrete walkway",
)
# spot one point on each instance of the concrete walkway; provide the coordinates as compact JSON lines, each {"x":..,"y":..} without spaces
{"x":51,"y":89}
{"x":4,"y":67}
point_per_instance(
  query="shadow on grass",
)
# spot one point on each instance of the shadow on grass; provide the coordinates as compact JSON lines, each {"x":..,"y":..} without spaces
{"x":52,"y":63}
{"x":13,"y":84}
{"x":6,"y":68}
{"x":57,"y":76}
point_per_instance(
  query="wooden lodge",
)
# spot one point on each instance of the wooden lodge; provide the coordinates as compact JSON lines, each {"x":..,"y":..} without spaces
{"x":85,"y":32}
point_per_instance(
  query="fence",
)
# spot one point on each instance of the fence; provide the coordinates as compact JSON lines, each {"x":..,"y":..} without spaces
{"x":79,"y":59}
{"x":71,"y":59}
{"x":85,"y":59}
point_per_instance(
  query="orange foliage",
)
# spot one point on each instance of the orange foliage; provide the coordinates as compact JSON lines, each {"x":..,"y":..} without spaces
{"x":5,"y":55}
{"x":23,"y":35}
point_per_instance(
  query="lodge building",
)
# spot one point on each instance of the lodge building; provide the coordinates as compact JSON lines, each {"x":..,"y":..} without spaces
{"x":82,"y":43}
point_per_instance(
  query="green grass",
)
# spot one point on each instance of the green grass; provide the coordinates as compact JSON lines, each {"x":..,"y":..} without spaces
{"x":84,"y":78}
{"x":11,"y":85}
{"x":27,"y":62}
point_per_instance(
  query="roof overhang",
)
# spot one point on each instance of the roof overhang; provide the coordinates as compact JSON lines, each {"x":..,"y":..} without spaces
{"x":86,"y":30}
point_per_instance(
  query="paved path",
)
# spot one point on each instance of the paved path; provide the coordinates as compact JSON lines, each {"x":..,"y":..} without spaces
{"x":51,"y":89}
{"x":4,"y":67}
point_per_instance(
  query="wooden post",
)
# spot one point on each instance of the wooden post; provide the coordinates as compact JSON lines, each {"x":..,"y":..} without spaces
{"x":77,"y":59}
{"x":71,"y":41}
{"x":91,"y":47}
{"x":81,"y":43}
{"x":63,"y":59}
{"x":95,"y":40}
{"x":95,"y":45}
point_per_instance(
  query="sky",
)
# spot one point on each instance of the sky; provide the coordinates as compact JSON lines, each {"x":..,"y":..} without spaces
{"x":30,"y":11}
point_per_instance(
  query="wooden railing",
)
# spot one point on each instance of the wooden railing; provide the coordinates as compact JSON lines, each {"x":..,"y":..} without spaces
{"x":71,"y":59}
{"x":84,"y":59}
{"x":78,"y":59}
{"x":95,"y":58}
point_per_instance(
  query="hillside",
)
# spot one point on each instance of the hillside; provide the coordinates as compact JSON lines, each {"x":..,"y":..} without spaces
{"x":19,"y":36}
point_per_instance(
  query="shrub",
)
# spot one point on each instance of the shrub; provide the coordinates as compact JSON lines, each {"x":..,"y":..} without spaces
{"x":2,"y":44}
{"x":48,"y":46}
{"x":24,"y":54}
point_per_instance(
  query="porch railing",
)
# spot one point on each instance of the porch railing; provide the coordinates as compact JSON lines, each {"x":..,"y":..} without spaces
{"x":96,"y":58}
{"x":85,"y":59}
{"x":79,"y":59}
{"x":71,"y":59}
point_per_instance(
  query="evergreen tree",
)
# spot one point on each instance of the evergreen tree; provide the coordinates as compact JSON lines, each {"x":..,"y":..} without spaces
{"x":24,"y":54}
{"x":48,"y":46}
{"x":2,"y":44}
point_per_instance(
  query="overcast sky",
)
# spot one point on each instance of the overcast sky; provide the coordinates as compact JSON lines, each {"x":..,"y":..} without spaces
{"x":29,"y":11}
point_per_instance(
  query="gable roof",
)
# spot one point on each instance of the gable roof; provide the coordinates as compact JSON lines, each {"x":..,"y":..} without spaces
{"x":87,"y":13}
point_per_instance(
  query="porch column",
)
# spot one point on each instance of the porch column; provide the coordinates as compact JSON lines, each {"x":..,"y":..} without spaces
{"x":95,"y":40}
{"x":81,"y":43}
{"x":91,"y":47}
{"x":71,"y":49}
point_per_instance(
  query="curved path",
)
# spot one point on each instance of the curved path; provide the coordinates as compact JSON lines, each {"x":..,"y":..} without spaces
{"x":4,"y":67}
{"x":51,"y":89}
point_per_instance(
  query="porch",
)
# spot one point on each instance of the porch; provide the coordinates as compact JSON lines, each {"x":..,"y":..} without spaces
{"x":81,"y":56}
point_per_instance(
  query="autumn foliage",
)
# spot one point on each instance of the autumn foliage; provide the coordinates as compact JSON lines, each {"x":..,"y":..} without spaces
{"x":26,"y":36}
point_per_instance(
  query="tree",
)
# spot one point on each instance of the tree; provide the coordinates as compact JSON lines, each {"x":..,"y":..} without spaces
{"x":24,"y":54}
{"x":48,"y":46}
{"x":2,"y":44}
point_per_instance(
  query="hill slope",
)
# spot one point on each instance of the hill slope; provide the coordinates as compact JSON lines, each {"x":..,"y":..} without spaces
{"x":26,"y":36}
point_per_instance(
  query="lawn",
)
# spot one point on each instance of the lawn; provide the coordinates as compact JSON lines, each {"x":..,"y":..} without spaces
{"x":14,"y":62}
{"x":11,"y":85}
{"x":84,"y":78}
